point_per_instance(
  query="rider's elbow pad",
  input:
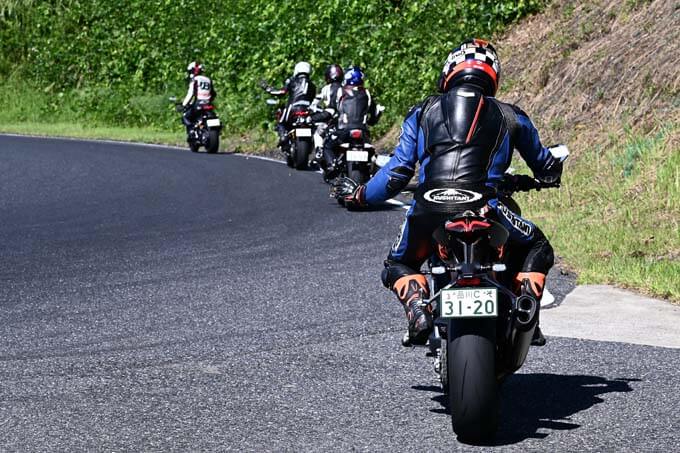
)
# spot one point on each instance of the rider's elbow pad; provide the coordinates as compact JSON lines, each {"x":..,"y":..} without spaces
{"x":399,"y":178}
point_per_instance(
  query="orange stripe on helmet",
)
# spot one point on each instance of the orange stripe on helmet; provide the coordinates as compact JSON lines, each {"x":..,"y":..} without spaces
{"x":474,"y":64}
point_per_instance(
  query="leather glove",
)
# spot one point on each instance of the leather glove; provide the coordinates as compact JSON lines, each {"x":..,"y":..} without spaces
{"x":357,"y":199}
{"x":352,"y":194}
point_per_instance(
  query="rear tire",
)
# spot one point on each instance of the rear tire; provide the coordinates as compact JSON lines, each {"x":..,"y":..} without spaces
{"x":357,"y":173}
{"x":301,"y":154}
{"x":213,"y":144}
{"x":473,"y":389}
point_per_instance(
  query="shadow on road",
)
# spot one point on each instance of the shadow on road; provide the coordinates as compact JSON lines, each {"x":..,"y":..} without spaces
{"x":533,"y":402}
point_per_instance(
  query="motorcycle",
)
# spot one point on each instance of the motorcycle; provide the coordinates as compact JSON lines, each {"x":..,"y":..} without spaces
{"x":356,"y":159}
{"x":205,"y":131}
{"x":482,"y":330}
{"x":299,"y":137}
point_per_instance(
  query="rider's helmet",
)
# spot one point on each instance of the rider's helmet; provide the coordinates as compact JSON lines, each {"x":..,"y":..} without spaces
{"x":195,"y":68}
{"x":302,"y":68}
{"x":333,"y":73}
{"x":475,"y":62}
{"x":354,"y":76}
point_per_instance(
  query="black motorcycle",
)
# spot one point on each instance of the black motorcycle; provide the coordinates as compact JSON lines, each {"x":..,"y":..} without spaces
{"x":482,"y":329}
{"x":299,"y":141}
{"x":205,"y":131}
{"x":356,"y":157}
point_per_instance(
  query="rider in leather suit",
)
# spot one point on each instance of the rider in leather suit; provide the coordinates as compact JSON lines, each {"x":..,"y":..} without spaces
{"x":201,"y":92}
{"x":301,"y":92}
{"x":355,"y":110}
{"x":463,"y":137}
{"x":328,"y":99}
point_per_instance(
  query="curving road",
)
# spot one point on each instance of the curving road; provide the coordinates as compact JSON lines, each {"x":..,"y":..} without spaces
{"x":152,"y":299}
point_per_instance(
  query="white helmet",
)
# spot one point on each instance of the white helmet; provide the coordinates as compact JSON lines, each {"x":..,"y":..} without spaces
{"x":302,"y":68}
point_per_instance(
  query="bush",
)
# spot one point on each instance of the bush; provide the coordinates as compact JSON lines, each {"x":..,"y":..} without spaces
{"x":128,"y":55}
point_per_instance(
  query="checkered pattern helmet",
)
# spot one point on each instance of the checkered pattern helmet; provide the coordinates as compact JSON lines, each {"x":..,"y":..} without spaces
{"x":475,"y":62}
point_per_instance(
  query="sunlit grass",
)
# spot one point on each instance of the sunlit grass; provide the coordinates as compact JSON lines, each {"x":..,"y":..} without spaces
{"x":616,"y":218}
{"x":143,"y":135}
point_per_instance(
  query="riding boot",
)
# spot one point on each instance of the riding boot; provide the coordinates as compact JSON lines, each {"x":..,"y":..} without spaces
{"x":412,"y":290}
{"x":283,"y":136}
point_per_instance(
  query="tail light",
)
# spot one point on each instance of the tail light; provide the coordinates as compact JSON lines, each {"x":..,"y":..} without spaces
{"x":355,"y":133}
{"x":301,"y":113}
{"x":474,"y":281}
{"x":466,"y":226}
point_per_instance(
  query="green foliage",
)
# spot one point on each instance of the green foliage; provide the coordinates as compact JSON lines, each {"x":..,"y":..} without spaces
{"x":125,"y":57}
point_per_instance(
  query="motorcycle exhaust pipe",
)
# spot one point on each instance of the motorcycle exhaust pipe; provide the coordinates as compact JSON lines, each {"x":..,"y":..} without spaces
{"x":526,"y":312}
{"x":525,"y":318}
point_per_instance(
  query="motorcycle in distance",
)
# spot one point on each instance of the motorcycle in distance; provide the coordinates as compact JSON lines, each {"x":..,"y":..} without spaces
{"x":299,"y":142}
{"x":482,"y":330}
{"x":205,"y":131}
{"x":356,"y":158}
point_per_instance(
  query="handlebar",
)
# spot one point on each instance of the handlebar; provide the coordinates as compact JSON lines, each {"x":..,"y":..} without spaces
{"x":524,"y":183}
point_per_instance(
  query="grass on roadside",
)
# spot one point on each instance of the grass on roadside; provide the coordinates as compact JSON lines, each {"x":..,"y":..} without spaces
{"x":616,"y":219}
{"x":75,"y":130}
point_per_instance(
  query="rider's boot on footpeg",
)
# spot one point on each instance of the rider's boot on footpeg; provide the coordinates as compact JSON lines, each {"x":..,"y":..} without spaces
{"x":412,"y":290}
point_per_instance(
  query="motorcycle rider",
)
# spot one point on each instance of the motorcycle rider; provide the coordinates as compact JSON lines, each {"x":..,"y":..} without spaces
{"x":328,"y":99}
{"x":301,"y":92}
{"x":355,"y":110}
{"x":462,"y":137}
{"x":200,"y":93}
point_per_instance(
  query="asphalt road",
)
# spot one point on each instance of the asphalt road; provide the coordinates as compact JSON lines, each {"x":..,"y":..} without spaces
{"x":157,"y":300}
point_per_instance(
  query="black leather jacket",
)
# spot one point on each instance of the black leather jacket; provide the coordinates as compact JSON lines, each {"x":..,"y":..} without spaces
{"x":300,"y":90}
{"x":356,"y":108}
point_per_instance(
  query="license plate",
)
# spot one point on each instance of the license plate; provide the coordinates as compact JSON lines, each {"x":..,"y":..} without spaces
{"x":357,"y":156}
{"x":303,"y":132}
{"x":213,"y":122}
{"x":469,"y":303}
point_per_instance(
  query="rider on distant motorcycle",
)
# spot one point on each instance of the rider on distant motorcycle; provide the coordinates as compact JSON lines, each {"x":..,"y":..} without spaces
{"x":328,"y":99}
{"x":355,"y":110}
{"x":300,"y":91}
{"x":200,"y":93}
{"x":462,"y":137}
